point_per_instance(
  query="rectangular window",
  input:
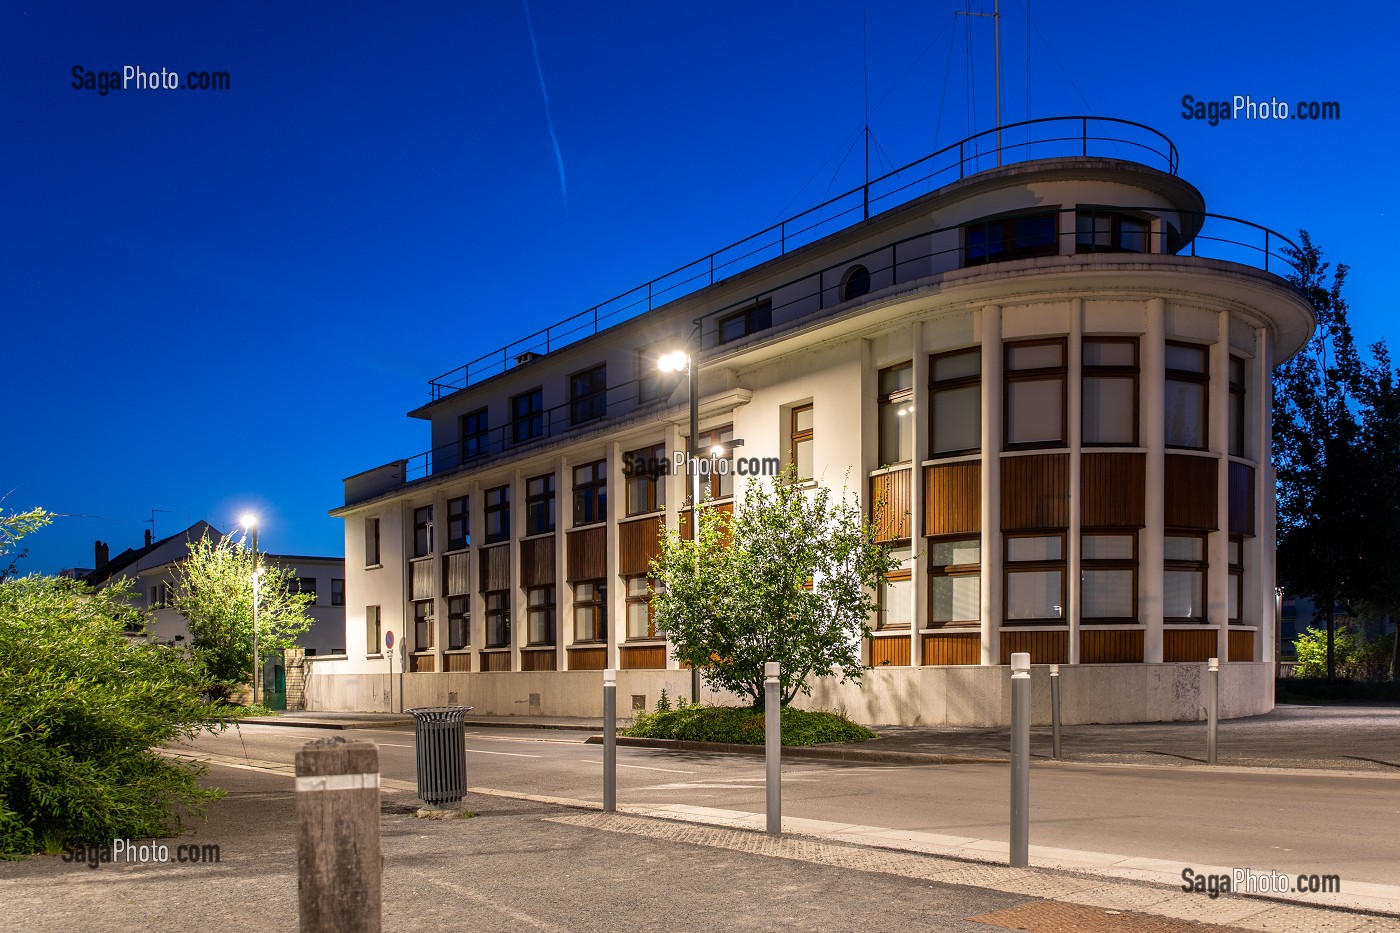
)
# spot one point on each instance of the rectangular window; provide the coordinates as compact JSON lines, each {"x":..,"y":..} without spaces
{"x":649,"y":381}
{"x":1237,"y":410}
{"x":161,"y":596}
{"x":305,"y":585}
{"x":1011,"y":238}
{"x":1188,"y":384}
{"x":955,"y":382}
{"x":756,"y":317}
{"x":458,"y":523}
{"x":1110,"y":403}
{"x":337,"y":592}
{"x":1035,"y":394}
{"x":1035,"y":578}
{"x":591,"y":493}
{"x":591,"y":611}
{"x":539,"y":615}
{"x":646,"y":484}
{"x":527,"y":416}
{"x":539,"y":505}
{"x":498,"y":619}
{"x":374,"y":633}
{"x":588,"y":395}
{"x":1235,"y":597}
{"x":423,"y":531}
{"x":371,"y":542}
{"x":1110,"y":232}
{"x":497,"y":514}
{"x":715,"y":484}
{"x":474,"y":440}
{"x":1184,"y":582}
{"x":955,"y":581}
{"x":897,"y":414}
{"x":423,"y":625}
{"x":1108,"y":577}
{"x":458,"y":622}
{"x":641,"y":618}
{"x":897,"y":592}
{"x":800,"y":441}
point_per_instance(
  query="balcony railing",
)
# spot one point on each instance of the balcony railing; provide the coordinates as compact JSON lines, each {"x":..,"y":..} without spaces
{"x":1047,"y":137}
{"x":1218,"y":237}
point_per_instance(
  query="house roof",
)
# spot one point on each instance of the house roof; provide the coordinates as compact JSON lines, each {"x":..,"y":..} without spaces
{"x":132,"y":556}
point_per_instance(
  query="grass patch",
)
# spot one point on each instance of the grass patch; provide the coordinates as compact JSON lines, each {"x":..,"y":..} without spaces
{"x":1318,"y":690}
{"x":237,"y":711}
{"x":742,"y":725}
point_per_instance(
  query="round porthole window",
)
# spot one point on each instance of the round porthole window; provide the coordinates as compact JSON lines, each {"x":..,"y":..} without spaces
{"x":855,"y":283}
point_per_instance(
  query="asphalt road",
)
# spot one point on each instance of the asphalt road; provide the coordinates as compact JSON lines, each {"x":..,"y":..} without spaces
{"x":1291,"y":821}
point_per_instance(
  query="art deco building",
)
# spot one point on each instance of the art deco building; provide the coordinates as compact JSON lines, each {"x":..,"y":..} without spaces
{"x":1050,"y":361}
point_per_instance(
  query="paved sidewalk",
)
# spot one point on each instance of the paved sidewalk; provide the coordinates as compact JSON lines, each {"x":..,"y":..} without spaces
{"x":1334,"y":738}
{"x":527,"y":863}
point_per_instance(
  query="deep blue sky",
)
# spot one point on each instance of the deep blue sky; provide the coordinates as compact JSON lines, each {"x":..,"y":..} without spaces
{"x":219,"y":301}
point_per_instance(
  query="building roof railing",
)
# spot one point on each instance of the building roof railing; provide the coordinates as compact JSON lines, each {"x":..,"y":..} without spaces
{"x":1046,"y":137}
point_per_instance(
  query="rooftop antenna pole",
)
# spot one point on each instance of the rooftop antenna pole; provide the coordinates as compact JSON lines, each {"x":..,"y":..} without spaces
{"x":865,"y":66}
{"x":152,"y":521}
{"x":996,"y":38}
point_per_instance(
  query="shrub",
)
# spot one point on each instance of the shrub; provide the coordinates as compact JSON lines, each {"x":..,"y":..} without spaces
{"x":743,"y":725}
{"x":1356,"y":658}
{"x":82,"y":704}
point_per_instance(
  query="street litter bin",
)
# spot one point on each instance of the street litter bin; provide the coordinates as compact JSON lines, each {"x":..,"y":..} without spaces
{"x":440,"y":743}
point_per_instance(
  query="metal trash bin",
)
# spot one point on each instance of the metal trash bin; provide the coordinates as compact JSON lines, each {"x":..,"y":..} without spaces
{"x":440,"y":744}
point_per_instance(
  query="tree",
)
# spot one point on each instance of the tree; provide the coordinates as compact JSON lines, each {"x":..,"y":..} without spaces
{"x":1378,"y":583}
{"x":81,"y":707}
{"x":213,"y":590}
{"x":790,"y":577}
{"x":13,"y":527}
{"x":1321,"y":471}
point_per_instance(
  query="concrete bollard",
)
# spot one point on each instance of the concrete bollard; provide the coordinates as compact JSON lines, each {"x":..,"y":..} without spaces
{"x":1212,"y":707}
{"x":1020,"y":759}
{"x":773,"y":745}
{"x":1055,"y":711}
{"x":609,"y":740}
{"x":340,"y":866}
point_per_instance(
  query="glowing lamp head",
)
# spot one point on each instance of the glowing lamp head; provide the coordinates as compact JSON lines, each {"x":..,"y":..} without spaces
{"x":249,"y":520}
{"x":673,"y":362}
{"x":716,"y":451}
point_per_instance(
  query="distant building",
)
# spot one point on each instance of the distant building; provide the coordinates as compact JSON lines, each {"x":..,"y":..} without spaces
{"x":1055,"y":371}
{"x":150,"y":569}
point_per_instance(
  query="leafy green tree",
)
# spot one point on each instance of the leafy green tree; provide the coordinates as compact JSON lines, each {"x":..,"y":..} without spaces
{"x":1378,"y":583}
{"x":213,"y":590}
{"x":1318,"y":456}
{"x":82,"y":705}
{"x":13,"y":527}
{"x":790,"y":576}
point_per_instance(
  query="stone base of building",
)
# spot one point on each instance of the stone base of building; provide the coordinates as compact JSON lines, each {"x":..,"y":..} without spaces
{"x":886,"y":696}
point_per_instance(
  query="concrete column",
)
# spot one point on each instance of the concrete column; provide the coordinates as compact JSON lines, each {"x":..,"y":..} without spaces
{"x":517,"y":595}
{"x":566,"y":521}
{"x":1217,"y":544}
{"x":991,"y":484}
{"x":919,"y":570}
{"x":1074,"y":436}
{"x":563,"y":605}
{"x":617,"y":596}
{"x":1259,"y":552}
{"x":1153,"y":422}
{"x":439,"y":601}
{"x":476,"y":603}
{"x":675,"y":495}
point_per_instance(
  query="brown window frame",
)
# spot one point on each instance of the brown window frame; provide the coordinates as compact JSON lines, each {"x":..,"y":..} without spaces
{"x":1115,"y":232}
{"x":1011,"y":376}
{"x":529,"y":425}
{"x":1116,"y":563}
{"x":954,"y":570}
{"x":1009,"y":235}
{"x":1195,"y":378}
{"x":647,"y":464}
{"x":1034,"y":566}
{"x":942,"y":385}
{"x":1134,"y":372}
{"x":796,"y":437}
{"x":594,"y":490}
{"x":423,"y":618}
{"x":599,"y":606}
{"x":459,"y":512}
{"x":373,"y":555}
{"x":535,"y":501}
{"x":552,"y":614}
{"x":720,"y":486}
{"x":474,"y":429}
{"x":896,"y":399}
{"x":653,"y":632}
{"x":757,"y":316}
{"x":374,"y":622}
{"x":1235,"y":613}
{"x":1201,"y":566}
{"x":459,"y":622}
{"x":499,"y":616}
{"x":500,"y":507}
{"x":905,"y":574}
{"x":588,"y":394}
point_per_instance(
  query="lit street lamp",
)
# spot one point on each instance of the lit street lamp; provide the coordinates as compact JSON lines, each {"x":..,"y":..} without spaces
{"x":250,"y":522}
{"x":674,"y":363}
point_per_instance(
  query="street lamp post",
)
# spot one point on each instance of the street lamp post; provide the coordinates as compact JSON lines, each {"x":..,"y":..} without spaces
{"x":674,"y":362}
{"x":251,"y":523}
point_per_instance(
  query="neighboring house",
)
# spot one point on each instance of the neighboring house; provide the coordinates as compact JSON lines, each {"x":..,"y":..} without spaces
{"x":1056,"y":372}
{"x":149,"y":569}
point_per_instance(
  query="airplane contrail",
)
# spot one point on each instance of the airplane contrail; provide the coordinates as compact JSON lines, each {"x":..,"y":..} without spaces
{"x":549,"y":117}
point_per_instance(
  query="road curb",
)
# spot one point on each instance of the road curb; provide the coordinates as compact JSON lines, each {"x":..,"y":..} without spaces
{"x":802,"y":751}
{"x":405,"y":721}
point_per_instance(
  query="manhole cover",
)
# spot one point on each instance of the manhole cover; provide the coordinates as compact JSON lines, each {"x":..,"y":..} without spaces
{"x":1059,"y":917}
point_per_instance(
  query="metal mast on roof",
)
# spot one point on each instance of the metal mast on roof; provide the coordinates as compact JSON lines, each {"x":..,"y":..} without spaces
{"x":996,"y":38}
{"x":152,"y":521}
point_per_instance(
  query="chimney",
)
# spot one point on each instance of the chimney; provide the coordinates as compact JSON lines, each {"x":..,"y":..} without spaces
{"x":148,"y":537}
{"x":99,"y":553}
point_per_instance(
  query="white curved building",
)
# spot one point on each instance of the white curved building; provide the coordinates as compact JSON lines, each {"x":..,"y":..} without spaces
{"x":1056,"y":371}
